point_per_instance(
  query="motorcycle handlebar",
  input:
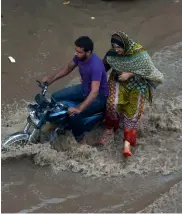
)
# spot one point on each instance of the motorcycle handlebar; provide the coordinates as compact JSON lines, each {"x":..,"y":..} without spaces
{"x":43,"y":86}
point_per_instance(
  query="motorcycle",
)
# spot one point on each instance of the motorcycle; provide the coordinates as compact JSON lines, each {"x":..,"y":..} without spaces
{"x":44,"y":111}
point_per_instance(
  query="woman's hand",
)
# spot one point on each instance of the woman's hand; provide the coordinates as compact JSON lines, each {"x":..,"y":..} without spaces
{"x":125,"y":76}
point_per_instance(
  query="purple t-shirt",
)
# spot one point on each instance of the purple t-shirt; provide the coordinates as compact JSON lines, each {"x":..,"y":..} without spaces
{"x":92,"y":70}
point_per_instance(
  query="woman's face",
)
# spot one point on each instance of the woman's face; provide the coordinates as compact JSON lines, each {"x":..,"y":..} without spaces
{"x":119,"y":50}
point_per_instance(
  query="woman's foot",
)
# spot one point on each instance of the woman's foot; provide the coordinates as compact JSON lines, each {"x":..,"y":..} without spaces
{"x":108,"y":133}
{"x":83,"y":141}
{"x":127,"y":151}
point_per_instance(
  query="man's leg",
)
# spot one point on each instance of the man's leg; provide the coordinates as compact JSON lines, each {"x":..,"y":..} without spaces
{"x":72,"y":93}
{"x":76,"y":121}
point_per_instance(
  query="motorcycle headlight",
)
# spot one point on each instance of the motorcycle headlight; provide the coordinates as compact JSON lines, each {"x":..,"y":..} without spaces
{"x":33,"y":117}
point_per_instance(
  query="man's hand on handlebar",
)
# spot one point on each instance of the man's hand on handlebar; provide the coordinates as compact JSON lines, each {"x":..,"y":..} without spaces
{"x":42,"y":84}
{"x":46,"y":80}
{"x":73,"y":111}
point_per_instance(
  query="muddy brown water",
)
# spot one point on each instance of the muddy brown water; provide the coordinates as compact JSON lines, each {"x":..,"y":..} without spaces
{"x":40,"y":36}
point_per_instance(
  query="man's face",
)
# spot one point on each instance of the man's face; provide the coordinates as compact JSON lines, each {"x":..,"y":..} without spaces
{"x":81,"y":54}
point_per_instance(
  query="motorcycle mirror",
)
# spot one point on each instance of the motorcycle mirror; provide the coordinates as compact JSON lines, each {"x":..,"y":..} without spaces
{"x":39,"y":83}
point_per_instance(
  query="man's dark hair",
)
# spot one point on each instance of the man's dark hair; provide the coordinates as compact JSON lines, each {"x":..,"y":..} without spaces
{"x":85,"y":42}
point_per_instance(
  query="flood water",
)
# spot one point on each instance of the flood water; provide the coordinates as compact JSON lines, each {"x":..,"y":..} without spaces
{"x":40,"y":36}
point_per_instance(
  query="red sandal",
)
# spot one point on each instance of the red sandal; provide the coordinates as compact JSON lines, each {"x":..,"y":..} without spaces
{"x":127,"y":152}
{"x":105,"y":137}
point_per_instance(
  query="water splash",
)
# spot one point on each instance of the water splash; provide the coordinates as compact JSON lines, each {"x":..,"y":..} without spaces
{"x":159,"y":137}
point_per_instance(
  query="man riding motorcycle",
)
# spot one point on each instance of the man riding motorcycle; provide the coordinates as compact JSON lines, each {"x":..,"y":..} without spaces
{"x":91,"y":94}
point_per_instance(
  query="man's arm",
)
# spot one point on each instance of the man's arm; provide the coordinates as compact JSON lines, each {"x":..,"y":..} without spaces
{"x":63,"y":72}
{"x":92,"y":95}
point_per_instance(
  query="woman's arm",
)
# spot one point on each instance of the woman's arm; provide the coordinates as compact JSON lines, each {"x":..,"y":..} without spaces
{"x":107,"y":66}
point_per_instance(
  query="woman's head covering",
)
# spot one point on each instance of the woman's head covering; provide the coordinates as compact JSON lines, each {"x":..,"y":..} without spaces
{"x":122,"y":39}
{"x":136,"y":59}
{"x":116,"y":40}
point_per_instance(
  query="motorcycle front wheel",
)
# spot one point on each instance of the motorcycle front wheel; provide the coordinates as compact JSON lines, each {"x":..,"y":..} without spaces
{"x":15,"y":139}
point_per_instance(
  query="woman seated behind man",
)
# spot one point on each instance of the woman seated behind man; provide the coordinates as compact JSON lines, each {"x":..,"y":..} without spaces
{"x":132,"y":78}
